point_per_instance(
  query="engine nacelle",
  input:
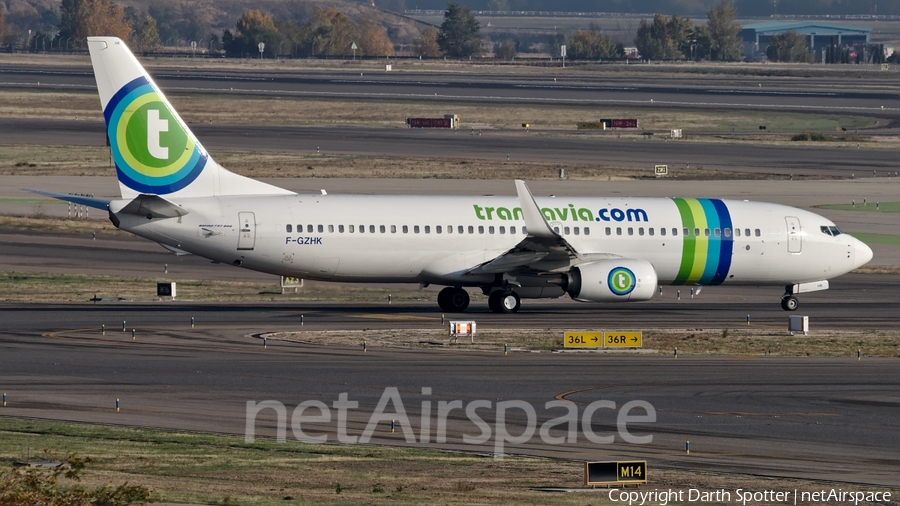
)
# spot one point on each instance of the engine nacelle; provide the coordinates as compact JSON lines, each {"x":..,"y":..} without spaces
{"x":622,"y":280}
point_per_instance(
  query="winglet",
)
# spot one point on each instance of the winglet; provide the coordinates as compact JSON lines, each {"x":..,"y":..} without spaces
{"x":534,"y":218}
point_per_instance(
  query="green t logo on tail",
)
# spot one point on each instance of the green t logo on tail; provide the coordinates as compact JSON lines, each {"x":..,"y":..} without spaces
{"x":153,"y":152}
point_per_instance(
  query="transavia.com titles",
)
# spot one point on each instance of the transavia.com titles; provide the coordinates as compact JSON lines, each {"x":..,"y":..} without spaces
{"x":746,"y":497}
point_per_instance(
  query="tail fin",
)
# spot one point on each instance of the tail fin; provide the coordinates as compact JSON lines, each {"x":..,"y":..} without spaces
{"x":154,"y":150}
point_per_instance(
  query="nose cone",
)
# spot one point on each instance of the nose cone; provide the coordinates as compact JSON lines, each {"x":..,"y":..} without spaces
{"x":863,"y":253}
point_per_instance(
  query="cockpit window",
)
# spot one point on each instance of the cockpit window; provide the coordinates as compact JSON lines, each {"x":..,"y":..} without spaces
{"x":830,"y":230}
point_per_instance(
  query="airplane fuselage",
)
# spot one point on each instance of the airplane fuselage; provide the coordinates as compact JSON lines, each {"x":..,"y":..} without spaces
{"x":436,"y":239}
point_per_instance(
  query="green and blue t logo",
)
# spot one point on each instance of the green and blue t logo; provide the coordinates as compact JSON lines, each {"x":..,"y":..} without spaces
{"x":152,"y":150}
{"x":621,"y":281}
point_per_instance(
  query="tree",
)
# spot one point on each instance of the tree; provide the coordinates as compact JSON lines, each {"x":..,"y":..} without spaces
{"x":664,"y":38}
{"x":79,"y":19}
{"x":427,"y":45}
{"x":789,"y":47}
{"x":505,"y":50}
{"x":591,"y":45}
{"x":330,"y":32}
{"x":459,"y":34}
{"x":373,"y":38}
{"x":252,"y":28}
{"x":149,"y":35}
{"x":723,"y":33}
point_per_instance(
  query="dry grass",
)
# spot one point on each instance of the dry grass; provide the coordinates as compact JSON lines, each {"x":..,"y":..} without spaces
{"x":231,"y":108}
{"x":214,"y":469}
{"x":89,"y":161}
{"x":750,"y":341}
{"x":76,"y":227}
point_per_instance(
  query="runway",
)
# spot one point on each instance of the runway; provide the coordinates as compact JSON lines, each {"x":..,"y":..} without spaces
{"x":545,"y":86}
{"x":826,"y":419}
{"x":597,"y":150}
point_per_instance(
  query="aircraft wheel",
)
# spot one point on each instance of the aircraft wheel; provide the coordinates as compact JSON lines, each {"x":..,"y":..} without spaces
{"x":453,"y":300}
{"x":504,"y":301}
{"x":443,"y":299}
{"x":789,"y":303}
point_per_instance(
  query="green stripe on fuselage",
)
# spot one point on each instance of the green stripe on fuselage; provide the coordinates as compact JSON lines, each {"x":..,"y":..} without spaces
{"x":701,"y":247}
{"x":687,"y":251}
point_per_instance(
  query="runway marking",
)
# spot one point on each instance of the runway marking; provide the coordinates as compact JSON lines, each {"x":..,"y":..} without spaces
{"x":392,"y":317}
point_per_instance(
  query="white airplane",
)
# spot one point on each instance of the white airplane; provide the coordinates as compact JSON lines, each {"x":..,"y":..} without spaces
{"x":595,"y":249}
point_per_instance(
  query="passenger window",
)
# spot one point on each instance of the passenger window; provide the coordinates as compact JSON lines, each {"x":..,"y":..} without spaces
{"x":717,"y":232}
{"x":351,"y":229}
{"x":685,"y":232}
{"x":321,"y":228}
{"x":706,"y":232}
{"x":556,"y":229}
{"x":437,"y":229}
{"x":696,"y":232}
{"x":651,"y":230}
{"x":727,"y":232}
{"x":737,"y":232}
{"x":309,"y":228}
{"x":330,"y":229}
{"x":341,"y":229}
{"x":291,"y":229}
{"x":427,"y":229}
{"x":608,"y":231}
{"x":459,"y":229}
{"x":675,"y":232}
{"x":512,"y":230}
{"x":566,"y":230}
{"x":641,"y":231}
{"x":630,"y":231}
{"x":371,"y":229}
{"x":393,"y":229}
{"x":758,"y":233}
{"x":662,"y":231}
{"x":382,"y":229}
{"x":577,"y":231}
{"x":416,"y":229}
{"x":587,"y":231}
{"x":502,"y":230}
{"x":480,"y":229}
{"x":491,"y":229}
{"x":618,"y":230}
{"x":405,"y":229}
{"x":525,"y":230}
{"x":471,"y":229}
{"x":746,"y":232}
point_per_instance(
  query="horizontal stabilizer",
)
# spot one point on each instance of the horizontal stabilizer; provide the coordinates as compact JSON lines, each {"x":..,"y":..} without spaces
{"x":75,"y":199}
{"x":152,"y":206}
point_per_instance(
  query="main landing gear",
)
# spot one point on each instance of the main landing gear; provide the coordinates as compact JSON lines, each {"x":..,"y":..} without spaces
{"x":453,"y":300}
{"x":504,"y":301}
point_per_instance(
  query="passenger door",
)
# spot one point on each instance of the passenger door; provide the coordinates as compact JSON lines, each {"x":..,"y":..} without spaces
{"x":795,"y":236}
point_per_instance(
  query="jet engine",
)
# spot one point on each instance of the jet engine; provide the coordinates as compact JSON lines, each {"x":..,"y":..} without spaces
{"x":619,"y":280}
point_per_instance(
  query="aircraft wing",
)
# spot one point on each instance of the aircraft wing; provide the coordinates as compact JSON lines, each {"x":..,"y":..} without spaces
{"x":75,"y":199}
{"x":542,"y":250}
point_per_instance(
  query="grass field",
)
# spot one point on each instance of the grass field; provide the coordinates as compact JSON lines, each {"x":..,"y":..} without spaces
{"x":870,"y":207}
{"x":226,"y":108}
{"x":198,"y":468}
{"x":878,"y":238}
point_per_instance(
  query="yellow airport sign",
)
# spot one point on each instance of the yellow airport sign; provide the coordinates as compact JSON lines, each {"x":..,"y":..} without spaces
{"x":583,"y":339}
{"x":622,"y":339}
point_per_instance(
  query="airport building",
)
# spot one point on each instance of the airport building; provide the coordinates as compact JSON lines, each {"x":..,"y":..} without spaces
{"x":756,"y":36}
